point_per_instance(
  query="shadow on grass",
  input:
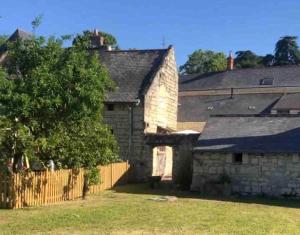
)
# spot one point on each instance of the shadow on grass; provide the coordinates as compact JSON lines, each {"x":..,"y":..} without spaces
{"x":166,"y":189}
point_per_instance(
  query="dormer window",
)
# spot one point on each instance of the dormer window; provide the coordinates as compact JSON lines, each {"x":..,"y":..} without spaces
{"x":266,"y":82}
{"x":251,"y":107}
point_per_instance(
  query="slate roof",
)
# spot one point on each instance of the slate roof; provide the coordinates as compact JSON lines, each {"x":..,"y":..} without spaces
{"x":199,"y":108}
{"x":18,"y":34}
{"x":288,"y":102}
{"x":251,"y":135}
{"x":132,"y":71}
{"x":242,"y":78}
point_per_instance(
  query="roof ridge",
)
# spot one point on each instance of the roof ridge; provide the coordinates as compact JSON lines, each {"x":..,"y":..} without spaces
{"x":134,"y":50}
{"x":242,"y":69}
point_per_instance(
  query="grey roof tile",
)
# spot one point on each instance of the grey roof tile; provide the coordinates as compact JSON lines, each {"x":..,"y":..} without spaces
{"x":132,"y":71}
{"x":251,"y":135}
{"x":242,"y":78}
{"x":200,"y":108}
{"x":288,"y":101}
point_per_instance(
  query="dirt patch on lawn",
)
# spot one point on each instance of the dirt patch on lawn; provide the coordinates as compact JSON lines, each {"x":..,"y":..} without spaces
{"x":3,"y":219}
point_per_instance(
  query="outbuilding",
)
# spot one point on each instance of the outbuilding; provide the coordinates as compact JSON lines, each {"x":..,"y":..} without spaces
{"x":254,"y":155}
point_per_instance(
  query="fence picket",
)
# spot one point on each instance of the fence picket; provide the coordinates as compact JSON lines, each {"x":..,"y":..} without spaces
{"x":43,"y":188}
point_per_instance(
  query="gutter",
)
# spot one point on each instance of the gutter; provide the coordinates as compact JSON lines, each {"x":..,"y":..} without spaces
{"x":130,"y":132}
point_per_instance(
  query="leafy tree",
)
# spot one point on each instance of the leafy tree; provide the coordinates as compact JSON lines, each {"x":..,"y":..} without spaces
{"x":36,"y":22}
{"x":268,"y":60}
{"x":247,"y":59}
{"x":287,"y":51}
{"x":86,"y":36}
{"x":203,"y":62}
{"x":3,"y":39}
{"x":51,"y":101}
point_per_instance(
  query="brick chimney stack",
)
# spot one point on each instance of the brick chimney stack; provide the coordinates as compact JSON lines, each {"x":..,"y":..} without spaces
{"x":97,"y":39}
{"x":230,"y":61}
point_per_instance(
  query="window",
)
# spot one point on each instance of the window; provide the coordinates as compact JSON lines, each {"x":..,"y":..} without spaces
{"x":237,"y":158}
{"x":251,"y":107}
{"x":283,"y":111}
{"x":112,"y":131}
{"x":210,"y":107}
{"x":266,"y":81}
{"x":110,"y":107}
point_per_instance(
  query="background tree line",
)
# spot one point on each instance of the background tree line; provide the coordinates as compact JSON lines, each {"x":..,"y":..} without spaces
{"x":286,"y":53}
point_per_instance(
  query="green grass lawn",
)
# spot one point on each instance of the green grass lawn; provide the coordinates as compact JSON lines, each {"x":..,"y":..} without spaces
{"x":128,"y":210}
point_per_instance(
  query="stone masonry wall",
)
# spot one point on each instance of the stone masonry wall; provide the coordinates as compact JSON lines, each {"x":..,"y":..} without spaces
{"x":183,"y":164}
{"x":259,"y":174}
{"x":119,"y":119}
{"x":162,"y":97}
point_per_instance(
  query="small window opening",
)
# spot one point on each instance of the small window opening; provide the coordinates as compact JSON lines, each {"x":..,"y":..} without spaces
{"x":251,"y":107}
{"x":112,"y":131}
{"x":110,"y":107}
{"x":283,"y":111}
{"x":238,"y":158}
{"x":266,"y":81}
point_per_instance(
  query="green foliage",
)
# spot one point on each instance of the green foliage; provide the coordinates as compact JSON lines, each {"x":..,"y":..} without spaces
{"x":109,"y":39}
{"x":84,"y":39}
{"x":203,"y":62}
{"x":3,"y":39}
{"x":93,"y":176}
{"x":51,"y":105}
{"x":36,"y":22}
{"x":247,"y":59}
{"x":287,"y":51}
{"x":268,"y":60}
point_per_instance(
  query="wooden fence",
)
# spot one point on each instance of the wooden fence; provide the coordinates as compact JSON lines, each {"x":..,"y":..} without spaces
{"x":46,"y":187}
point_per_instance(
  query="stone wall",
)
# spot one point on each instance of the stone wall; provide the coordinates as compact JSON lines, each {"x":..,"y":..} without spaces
{"x":162,"y":97}
{"x":119,"y":119}
{"x":258,"y":174}
{"x":183,"y":164}
{"x":195,"y":126}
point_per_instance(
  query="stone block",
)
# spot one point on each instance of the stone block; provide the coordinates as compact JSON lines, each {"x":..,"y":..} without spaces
{"x":228,"y":159}
{"x":295,"y":158}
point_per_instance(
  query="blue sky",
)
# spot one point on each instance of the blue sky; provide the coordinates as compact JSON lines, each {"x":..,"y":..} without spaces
{"x":220,"y":25}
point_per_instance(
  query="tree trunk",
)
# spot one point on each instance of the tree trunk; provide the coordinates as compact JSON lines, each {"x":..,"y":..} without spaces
{"x":85,"y":187}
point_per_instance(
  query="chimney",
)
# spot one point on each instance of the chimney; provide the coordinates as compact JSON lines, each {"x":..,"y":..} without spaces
{"x":108,"y":47}
{"x":230,"y":61}
{"x":97,"y":40}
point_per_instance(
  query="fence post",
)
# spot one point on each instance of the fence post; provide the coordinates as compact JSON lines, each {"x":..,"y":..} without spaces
{"x":11,"y":191}
{"x":126,"y":173}
{"x":111,"y":175}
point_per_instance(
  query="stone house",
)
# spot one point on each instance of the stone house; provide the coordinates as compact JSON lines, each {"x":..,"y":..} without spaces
{"x":144,"y":101}
{"x":260,"y":155}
